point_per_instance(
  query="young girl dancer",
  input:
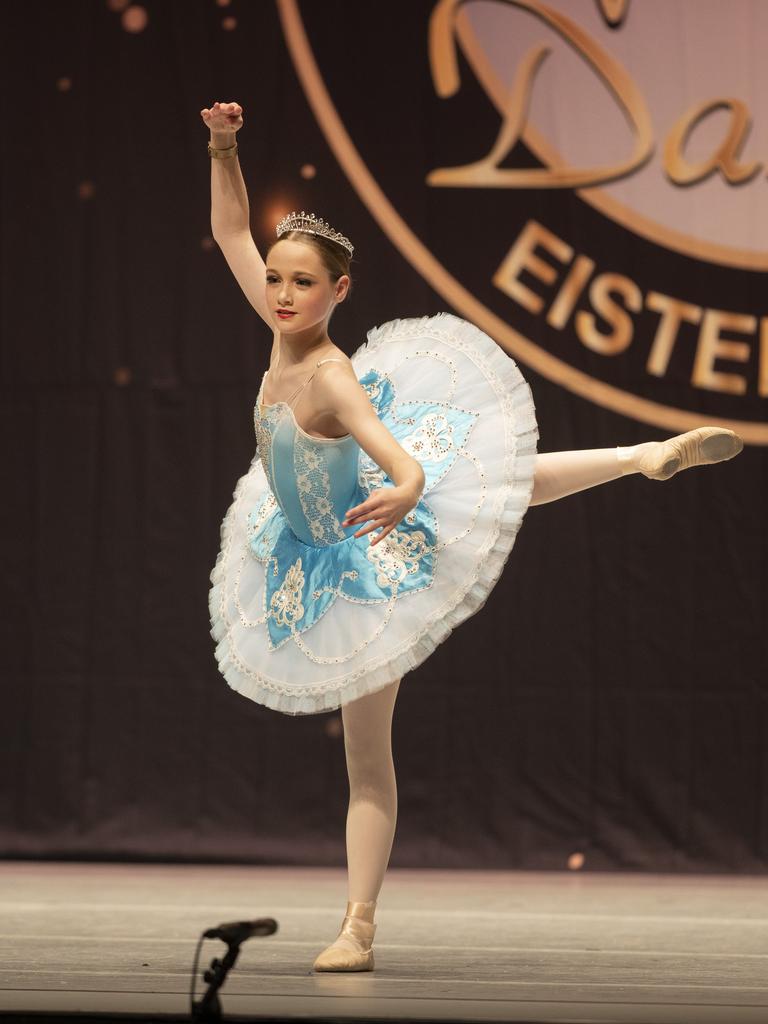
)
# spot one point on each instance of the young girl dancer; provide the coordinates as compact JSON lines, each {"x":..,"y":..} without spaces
{"x":380,"y":507}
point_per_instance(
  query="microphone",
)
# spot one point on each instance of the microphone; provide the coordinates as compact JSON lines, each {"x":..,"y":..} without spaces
{"x":235,"y":932}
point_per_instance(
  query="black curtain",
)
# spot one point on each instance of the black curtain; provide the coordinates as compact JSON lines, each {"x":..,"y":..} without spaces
{"x":609,"y":700}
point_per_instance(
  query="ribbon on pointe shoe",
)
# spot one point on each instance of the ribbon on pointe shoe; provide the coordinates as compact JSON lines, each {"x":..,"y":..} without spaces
{"x":360,"y":931}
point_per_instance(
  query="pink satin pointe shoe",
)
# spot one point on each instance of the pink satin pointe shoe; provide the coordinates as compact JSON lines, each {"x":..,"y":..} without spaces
{"x":700,"y":447}
{"x":356,"y":931}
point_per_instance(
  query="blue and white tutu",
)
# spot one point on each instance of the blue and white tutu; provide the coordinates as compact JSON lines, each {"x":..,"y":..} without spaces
{"x":306,"y":616}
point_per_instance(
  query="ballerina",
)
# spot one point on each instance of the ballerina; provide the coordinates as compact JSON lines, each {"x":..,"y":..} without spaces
{"x":379,"y":509}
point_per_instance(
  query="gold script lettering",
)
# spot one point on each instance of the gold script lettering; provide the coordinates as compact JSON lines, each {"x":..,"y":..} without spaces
{"x":613,"y":11}
{"x":600,"y":295}
{"x":522,"y":256}
{"x":762,"y":380}
{"x":486,"y":173}
{"x":725,"y":159}
{"x":712,"y":346}
{"x":572,"y":287}
{"x":673,"y":312}
{"x":525,"y":258}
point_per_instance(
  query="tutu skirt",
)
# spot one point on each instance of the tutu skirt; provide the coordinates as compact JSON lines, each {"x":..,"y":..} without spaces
{"x":306,"y":627}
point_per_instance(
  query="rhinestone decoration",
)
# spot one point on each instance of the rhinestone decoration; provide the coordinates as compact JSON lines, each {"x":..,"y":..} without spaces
{"x":314,"y":226}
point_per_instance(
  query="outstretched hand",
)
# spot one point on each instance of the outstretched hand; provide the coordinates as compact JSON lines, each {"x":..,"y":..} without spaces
{"x":223,"y":117}
{"x":385,"y":508}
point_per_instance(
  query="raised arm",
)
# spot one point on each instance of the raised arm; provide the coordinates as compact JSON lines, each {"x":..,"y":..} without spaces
{"x":230,"y":215}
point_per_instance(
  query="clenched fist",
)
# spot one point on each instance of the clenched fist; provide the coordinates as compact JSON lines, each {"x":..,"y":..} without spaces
{"x":223,"y":117}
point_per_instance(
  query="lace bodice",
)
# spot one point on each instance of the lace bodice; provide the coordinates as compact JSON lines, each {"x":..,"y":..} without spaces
{"x":313,"y":479}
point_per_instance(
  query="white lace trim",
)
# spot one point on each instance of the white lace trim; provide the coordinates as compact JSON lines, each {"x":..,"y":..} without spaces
{"x":313,"y":483}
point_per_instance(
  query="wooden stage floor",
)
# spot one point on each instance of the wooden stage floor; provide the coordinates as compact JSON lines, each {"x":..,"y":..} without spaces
{"x":451,"y":946}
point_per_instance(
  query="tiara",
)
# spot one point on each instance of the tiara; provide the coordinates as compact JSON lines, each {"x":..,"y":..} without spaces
{"x":313,"y":226}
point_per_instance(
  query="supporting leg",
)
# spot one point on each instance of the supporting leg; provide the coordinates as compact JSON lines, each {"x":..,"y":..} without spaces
{"x":371,"y":820}
{"x":372,"y":813}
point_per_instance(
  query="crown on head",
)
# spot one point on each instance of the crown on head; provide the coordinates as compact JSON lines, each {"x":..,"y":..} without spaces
{"x":313,"y":226}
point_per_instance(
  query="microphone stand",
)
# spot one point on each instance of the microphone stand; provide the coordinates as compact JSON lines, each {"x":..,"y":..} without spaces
{"x":208,"y":1009}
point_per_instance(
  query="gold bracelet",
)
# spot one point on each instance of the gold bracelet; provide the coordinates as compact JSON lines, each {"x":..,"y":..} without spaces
{"x":222,"y":154}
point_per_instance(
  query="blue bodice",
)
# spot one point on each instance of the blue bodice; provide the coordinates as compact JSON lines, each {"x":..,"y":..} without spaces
{"x":314,"y":479}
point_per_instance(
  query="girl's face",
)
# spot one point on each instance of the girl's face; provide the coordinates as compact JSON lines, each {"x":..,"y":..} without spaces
{"x":298,"y":282}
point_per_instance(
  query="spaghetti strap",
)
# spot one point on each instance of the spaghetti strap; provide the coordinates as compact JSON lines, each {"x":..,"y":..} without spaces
{"x":330,"y":359}
{"x":299,"y":389}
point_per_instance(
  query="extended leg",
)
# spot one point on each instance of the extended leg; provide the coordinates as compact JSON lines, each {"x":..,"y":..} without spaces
{"x":371,"y":822}
{"x":560,"y":473}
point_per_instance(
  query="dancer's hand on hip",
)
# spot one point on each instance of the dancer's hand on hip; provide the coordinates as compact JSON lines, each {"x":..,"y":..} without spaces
{"x":385,"y":508}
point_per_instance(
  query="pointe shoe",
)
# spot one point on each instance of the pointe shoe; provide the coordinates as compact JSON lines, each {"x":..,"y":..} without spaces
{"x":701,"y":447}
{"x":360,"y":933}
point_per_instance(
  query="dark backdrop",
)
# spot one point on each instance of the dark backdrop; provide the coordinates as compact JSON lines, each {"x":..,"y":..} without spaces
{"x":610,"y":699}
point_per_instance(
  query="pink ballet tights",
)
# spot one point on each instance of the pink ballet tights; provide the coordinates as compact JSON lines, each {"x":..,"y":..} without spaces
{"x":372,"y":810}
{"x":558,"y":474}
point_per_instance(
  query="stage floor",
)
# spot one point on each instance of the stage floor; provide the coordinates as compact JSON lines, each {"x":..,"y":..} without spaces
{"x":452,"y":946}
